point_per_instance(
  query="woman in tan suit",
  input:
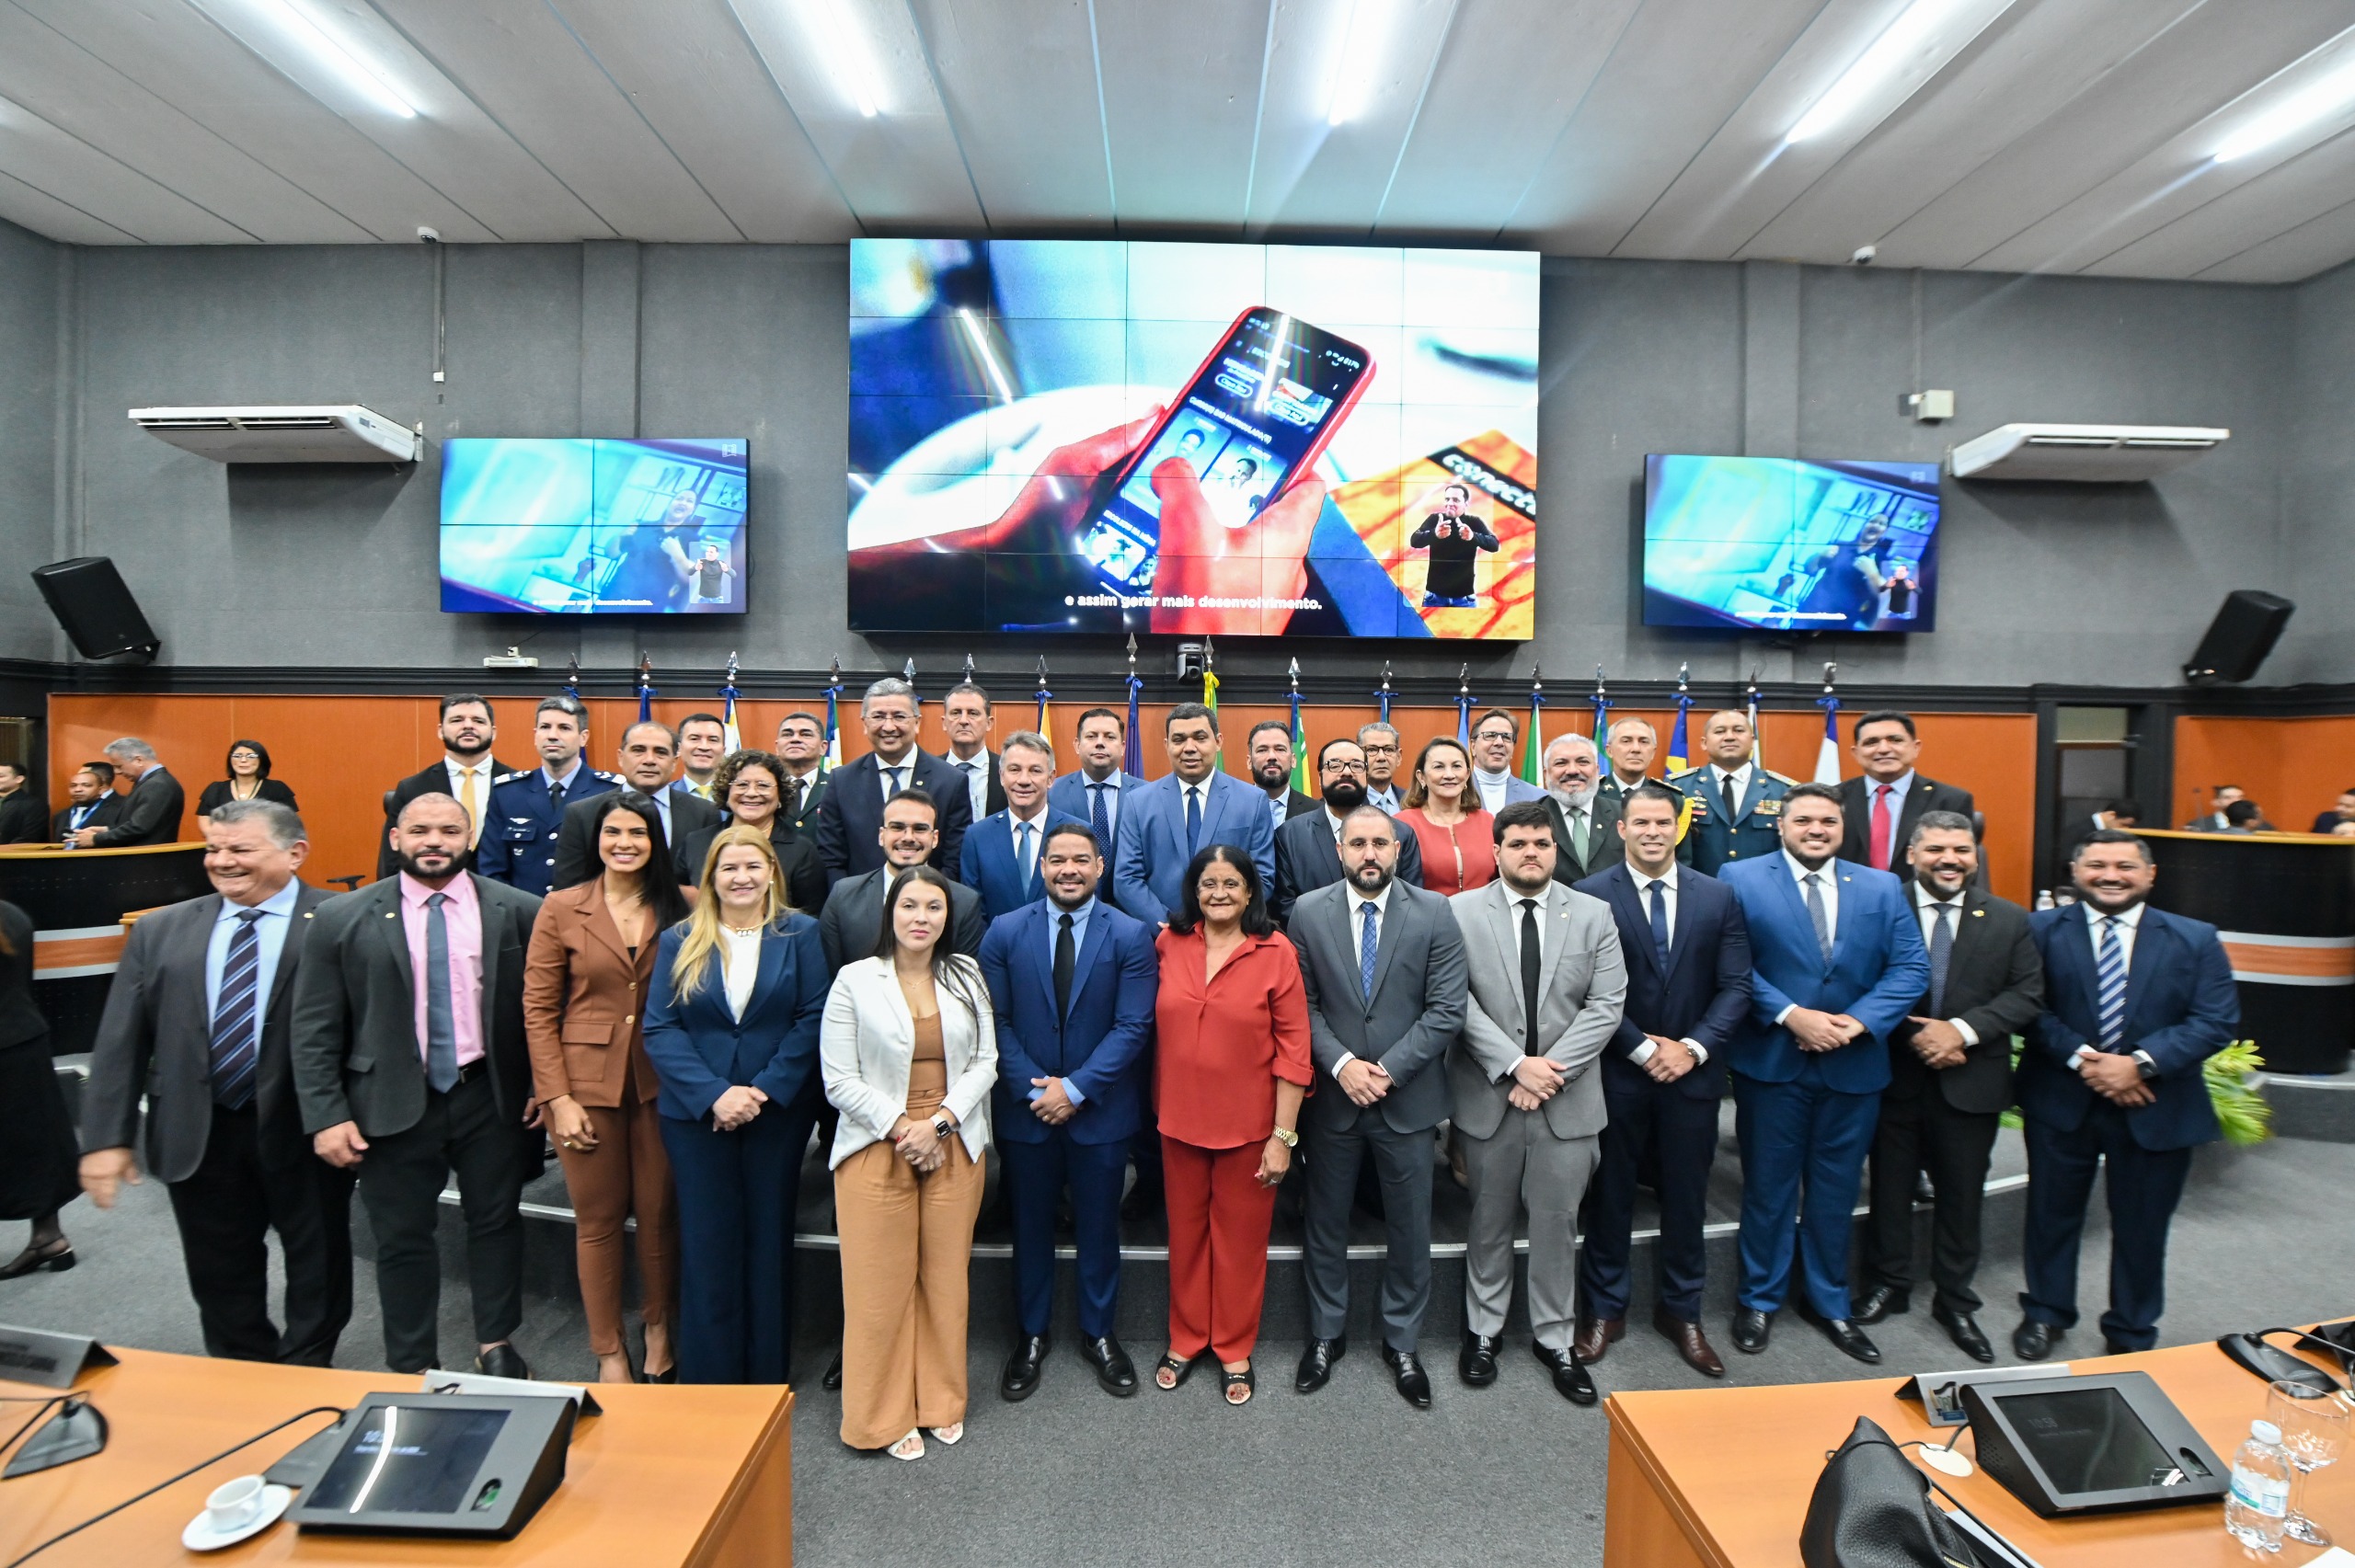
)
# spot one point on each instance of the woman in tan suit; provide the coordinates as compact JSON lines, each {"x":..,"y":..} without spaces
{"x":585,"y":982}
{"x":909,"y":1047}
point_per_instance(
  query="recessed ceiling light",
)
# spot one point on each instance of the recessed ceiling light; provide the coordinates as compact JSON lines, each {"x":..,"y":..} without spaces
{"x":849,"y":59}
{"x":2309,"y":106}
{"x":354,"y":70}
{"x":1357,"y":61}
{"x":1925,"y":35}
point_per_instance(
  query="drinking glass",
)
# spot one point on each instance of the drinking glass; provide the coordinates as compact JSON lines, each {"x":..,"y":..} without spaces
{"x":2314,"y":1430}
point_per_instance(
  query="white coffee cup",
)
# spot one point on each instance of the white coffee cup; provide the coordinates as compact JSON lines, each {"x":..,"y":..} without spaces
{"x":234,"y":1504}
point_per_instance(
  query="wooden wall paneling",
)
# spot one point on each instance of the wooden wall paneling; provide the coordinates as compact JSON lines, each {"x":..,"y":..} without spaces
{"x":2295,"y":767}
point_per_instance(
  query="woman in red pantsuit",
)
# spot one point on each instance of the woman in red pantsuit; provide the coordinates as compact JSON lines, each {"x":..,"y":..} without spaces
{"x":1232,"y":1067}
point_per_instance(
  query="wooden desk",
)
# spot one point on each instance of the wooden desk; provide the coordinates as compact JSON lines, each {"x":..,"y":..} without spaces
{"x":1720,"y":1478}
{"x":77,"y":899}
{"x":700,"y":1476}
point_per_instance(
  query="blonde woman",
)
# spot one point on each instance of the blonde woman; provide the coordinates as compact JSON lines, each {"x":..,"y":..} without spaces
{"x":732,"y":1027}
{"x":910,"y":1048}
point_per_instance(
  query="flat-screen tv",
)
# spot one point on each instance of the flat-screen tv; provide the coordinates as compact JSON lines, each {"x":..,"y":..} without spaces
{"x":1776,"y":543}
{"x":1249,"y":441}
{"x":586,"y":527}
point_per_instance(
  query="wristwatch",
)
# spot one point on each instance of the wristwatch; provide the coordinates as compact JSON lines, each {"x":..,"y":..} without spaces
{"x":1286,"y":1137}
{"x":943,"y":1128}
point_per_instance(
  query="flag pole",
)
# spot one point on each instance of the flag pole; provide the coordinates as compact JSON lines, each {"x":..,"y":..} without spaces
{"x":1132,"y":755}
{"x":833,"y":758}
{"x":1299,"y":736}
{"x":1827,"y":756}
{"x":1757,"y":740}
{"x":1044,"y":697}
{"x":730,"y":736}
{"x":1464,"y":709}
{"x":645,"y":691}
{"x":1679,"y":737}
{"x":1382,"y":696}
{"x":1601,"y":709}
{"x":1533,"y":760}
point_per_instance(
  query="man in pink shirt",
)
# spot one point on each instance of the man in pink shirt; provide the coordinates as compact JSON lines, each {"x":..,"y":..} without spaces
{"x":409,"y":1063}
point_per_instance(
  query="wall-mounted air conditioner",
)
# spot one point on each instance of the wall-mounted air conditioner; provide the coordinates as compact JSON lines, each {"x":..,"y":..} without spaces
{"x":2109,"y":454}
{"x":342,"y":433}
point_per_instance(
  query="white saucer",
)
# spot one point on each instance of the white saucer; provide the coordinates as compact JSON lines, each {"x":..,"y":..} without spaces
{"x":200,"y":1536}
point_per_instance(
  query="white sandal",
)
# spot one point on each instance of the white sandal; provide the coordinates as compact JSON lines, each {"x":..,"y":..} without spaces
{"x":951,"y":1435}
{"x":908,"y":1447}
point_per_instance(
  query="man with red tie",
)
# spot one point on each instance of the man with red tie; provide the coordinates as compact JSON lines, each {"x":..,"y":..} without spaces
{"x":1879,"y":810}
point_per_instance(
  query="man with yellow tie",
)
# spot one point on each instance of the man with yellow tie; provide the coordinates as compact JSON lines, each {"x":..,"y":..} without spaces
{"x":465,"y":771}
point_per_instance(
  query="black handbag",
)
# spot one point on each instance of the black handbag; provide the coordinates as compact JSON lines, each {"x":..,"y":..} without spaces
{"x":1872,"y":1509}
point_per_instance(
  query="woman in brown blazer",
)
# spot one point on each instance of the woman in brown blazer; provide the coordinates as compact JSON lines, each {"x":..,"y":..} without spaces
{"x":585,"y":982}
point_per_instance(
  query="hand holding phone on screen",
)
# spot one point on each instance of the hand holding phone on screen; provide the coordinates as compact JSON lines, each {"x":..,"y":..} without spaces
{"x":1203,"y":558}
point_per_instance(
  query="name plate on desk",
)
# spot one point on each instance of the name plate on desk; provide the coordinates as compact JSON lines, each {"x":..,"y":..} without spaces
{"x":51,"y":1360}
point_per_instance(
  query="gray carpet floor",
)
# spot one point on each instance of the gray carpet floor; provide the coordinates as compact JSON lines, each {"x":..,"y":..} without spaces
{"x":1507,"y":1476}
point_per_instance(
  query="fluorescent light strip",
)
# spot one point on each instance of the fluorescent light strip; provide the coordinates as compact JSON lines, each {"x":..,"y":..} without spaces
{"x":850,"y":62}
{"x":357,"y":74}
{"x":1913,"y":32}
{"x":977,"y":337}
{"x":2302,"y":109}
{"x":1355,"y":62}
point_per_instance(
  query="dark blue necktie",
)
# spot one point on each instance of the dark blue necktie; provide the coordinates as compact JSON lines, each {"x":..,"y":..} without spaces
{"x":1367,"y":949}
{"x":1097,"y":817}
{"x":1941,"y":956}
{"x":1022,"y":863}
{"x":2110,"y":973}
{"x":236,"y":1036}
{"x":440,"y":1027}
{"x":1660,"y":923}
{"x":1194,"y":818}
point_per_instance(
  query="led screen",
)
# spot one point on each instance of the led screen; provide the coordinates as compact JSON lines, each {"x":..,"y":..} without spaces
{"x":1105,"y":436}
{"x":1785,"y":545}
{"x":594,"y":527}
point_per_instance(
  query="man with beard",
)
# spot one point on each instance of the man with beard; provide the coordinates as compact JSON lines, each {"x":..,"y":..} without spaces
{"x":409,"y":1063}
{"x":1271,"y":764}
{"x":1308,"y":846}
{"x":1382,"y":964}
{"x":1585,"y":818}
{"x":1074,"y":982}
{"x":465,"y":773}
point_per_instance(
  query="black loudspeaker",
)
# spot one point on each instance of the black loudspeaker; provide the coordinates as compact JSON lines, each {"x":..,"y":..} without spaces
{"x":90,"y":601}
{"x":2240,"y":636}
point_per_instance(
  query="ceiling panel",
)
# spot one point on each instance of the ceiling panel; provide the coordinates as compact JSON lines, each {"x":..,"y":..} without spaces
{"x":64,"y":167}
{"x":1182,"y":96}
{"x":1019,"y":79}
{"x":2282,"y":197}
{"x":2316,"y":246}
{"x":45,"y":214}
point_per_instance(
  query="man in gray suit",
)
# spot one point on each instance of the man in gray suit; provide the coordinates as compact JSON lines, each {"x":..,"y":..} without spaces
{"x":410,"y":1062}
{"x":1547,"y":985}
{"x":1383,"y":965}
{"x":197,"y":1019}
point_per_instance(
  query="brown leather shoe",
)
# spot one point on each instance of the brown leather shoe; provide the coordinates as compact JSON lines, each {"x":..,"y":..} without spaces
{"x":1690,"y":1342}
{"x":1594,"y":1336}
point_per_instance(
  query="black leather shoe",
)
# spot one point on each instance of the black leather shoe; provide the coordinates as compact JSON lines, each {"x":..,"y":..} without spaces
{"x":1113,"y":1368}
{"x":833,"y":1381}
{"x":1025,"y":1367}
{"x":2111,"y":1347}
{"x":1883,"y":1302}
{"x":55,"y":1257}
{"x":1476,"y":1362}
{"x":501,"y":1361}
{"x":1964,"y":1330}
{"x":1751,"y":1327}
{"x":2033,"y":1341}
{"x":1414,"y":1383}
{"x":1570,"y":1378}
{"x":1317,"y":1364}
{"x":1844,"y":1333}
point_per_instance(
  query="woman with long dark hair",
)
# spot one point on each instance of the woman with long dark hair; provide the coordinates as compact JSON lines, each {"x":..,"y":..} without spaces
{"x":910,"y":1049}
{"x":585,"y":982}
{"x":731,"y":1024}
{"x":248,"y":765}
{"x":1231,"y":1068}
{"x":40,"y":1163}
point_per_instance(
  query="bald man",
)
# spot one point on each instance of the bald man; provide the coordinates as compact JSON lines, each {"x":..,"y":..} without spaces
{"x":1737,"y":803}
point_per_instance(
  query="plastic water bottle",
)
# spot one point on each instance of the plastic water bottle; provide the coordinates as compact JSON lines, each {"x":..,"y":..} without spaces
{"x":2259,"y":1500}
{"x":2044,"y":897}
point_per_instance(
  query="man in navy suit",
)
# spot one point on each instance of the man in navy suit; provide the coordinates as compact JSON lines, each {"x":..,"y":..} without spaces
{"x":517,"y":840}
{"x":2135,"y":1001}
{"x":1094,"y":794}
{"x":1167,"y":822}
{"x":1074,"y":982}
{"x":850,"y":808}
{"x":1836,"y":965}
{"x":1664,"y":1074}
{"x":1001,"y":859}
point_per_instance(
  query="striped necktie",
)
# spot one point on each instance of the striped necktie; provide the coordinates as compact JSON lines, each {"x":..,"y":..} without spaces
{"x":2109,"y":973}
{"x":236,"y":1037}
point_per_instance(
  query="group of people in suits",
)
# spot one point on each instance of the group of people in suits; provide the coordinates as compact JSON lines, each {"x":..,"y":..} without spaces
{"x":98,"y":816}
{"x":677,"y":972}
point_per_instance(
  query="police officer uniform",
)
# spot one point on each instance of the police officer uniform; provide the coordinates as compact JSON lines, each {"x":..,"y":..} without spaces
{"x":519,"y":826}
{"x":1755,"y":828}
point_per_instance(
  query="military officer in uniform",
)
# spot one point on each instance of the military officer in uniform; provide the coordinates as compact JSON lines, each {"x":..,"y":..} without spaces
{"x":526,"y":809}
{"x":1737,"y":805}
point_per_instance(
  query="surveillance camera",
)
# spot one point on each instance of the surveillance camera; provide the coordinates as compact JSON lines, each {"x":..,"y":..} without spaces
{"x":1865,"y":256}
{"x":429,"y":236}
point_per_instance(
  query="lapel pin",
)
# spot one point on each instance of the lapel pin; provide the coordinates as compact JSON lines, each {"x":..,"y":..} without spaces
{"x":1977,"y":914}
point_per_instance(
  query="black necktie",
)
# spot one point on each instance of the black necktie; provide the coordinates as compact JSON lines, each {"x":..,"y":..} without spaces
{"x":556,"y":796}
{"x":1941,"y":954}
{"x":1726,"y":793}
{"x":1066,"y":961}
{"x":1530,"y":953}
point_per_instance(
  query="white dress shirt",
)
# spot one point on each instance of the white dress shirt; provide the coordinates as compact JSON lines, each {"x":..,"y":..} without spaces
{"x":740,"y":953}
{"x":481,"y":806}
{"x":2128,"y":922}
{"x":1731,"y":785}
{"x":269,"y":933}
{"x":1667,"y":883}
{"x":1380,"y":905}
{"x":1925,"y":908}
{"x":1513,"y":900}
{"x":907,"y":770}
{"x":976,"y":769}
{"x":1036,"y":822}
{"x":1493,"y":788}
{"x":1828,"y":886}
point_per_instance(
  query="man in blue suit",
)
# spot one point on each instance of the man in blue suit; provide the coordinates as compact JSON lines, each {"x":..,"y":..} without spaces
{"x":1164,"y":824}
{"x":1095,"y":794}
{"x":1002,"y":857}
{"x":1836,"y":963}
{"x":2135,"y":1001}
{"x":1073,"y":982}
{"x":525,"y":814}
{"x":1737,"y":803}
{"x":1688,"y":990}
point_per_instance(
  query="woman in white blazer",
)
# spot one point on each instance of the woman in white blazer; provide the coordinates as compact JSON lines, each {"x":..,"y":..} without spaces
{"x":909,"y":1048}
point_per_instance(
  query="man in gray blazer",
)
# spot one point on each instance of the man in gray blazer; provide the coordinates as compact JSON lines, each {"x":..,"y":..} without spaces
{"x":1383,"y":965}
{"x":409,"y":1063}
{"x":197,"y":1019}
{"x":1547,"y":986}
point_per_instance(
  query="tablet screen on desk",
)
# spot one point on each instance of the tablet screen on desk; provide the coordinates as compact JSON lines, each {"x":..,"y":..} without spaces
{"x":2088,"y":1440}
{"x":409,"y":1461}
